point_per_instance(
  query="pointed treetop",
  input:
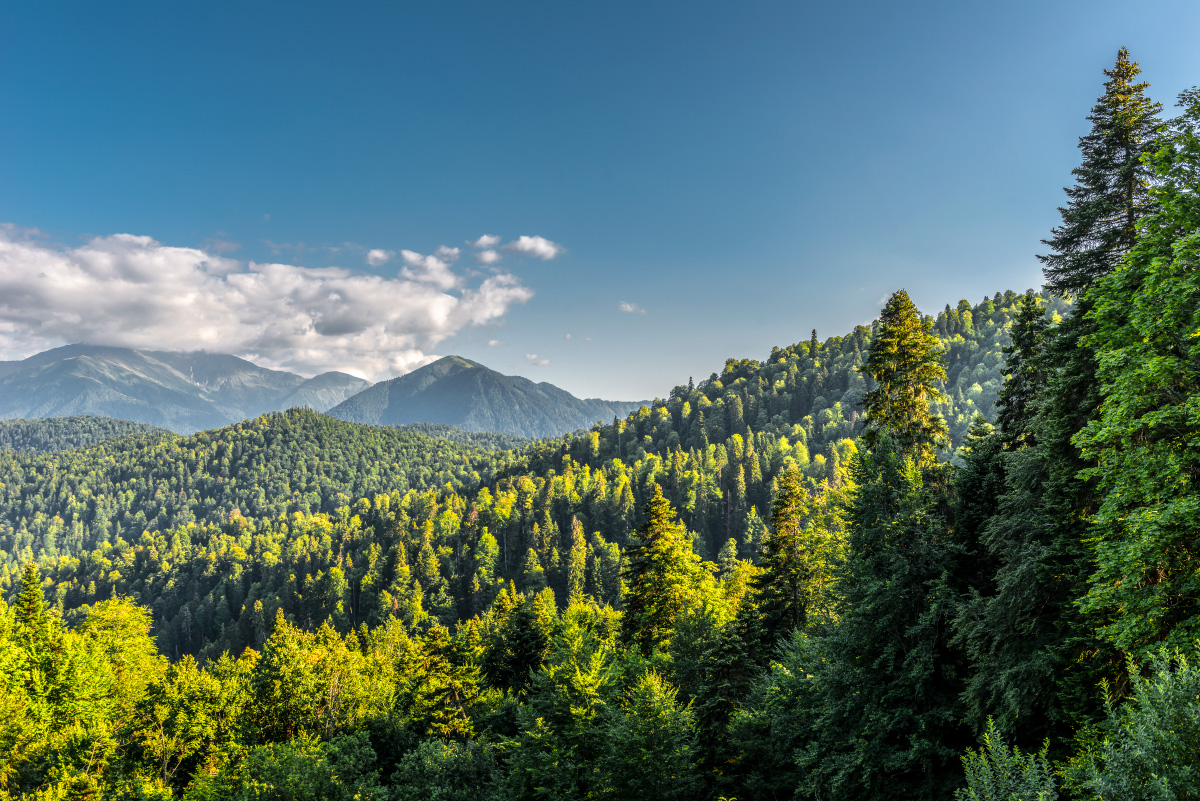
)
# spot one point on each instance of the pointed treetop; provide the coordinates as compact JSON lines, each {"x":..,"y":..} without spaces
{"x":905,"y":360}
{"x":1111,"y":184}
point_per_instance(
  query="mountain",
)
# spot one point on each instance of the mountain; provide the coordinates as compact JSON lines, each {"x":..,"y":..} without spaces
{"x":463,"y":393}
{"x":184,"y":392}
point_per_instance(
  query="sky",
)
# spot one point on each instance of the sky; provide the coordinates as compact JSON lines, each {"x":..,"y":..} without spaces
{"x":612,"y":197}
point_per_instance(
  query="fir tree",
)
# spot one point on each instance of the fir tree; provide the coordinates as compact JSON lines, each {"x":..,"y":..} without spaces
{"x":889,"y":710}
{"x":1110,"y":193}
{"x":1023,"y":380}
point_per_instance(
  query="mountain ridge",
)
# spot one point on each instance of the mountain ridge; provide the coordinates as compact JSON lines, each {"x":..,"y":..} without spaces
{"x":180,"y":391}
{"x":458,"y":391}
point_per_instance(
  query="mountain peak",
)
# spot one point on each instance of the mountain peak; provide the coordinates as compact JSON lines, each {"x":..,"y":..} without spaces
{"x":464,"y":393}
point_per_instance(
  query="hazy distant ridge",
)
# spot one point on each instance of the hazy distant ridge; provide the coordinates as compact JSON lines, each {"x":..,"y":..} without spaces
{"x":463,"y":393}
{"x":184,"y":392}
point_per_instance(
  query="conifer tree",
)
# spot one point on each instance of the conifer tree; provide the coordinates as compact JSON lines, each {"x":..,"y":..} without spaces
{"x":1147,"y":314}
{"x":791,"y":559}
{"x":888,"y":709}
{"x":1110,"y":193}
{"x":658,"y":575}
{"x":1023,"y":380}
{"x":905,"y":362}
{"x":1034,"y":655}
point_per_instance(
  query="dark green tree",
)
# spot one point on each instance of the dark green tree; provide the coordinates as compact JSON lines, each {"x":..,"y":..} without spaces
{"x":889,"y":682}
{"x":1023,"y":379}
{"x":1099,"y":223}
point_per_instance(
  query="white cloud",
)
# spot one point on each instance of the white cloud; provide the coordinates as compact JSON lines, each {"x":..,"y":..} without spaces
{"x":630,"y":308}
{"x":485,"y":241}
{"x":132,"y":291}
{"x":533,"y":359}
{"x":488,"y":257}
{"x":377,"y":257}
{"x":495,"y":343}
{"x":428,"y":270}
{"x":536,"y":246}
{"x":447,"y":254}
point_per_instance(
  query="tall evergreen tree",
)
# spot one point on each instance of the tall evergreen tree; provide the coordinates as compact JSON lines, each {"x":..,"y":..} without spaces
{"x":1147,"y":314}
{"x":1110,"y":194}
{"x":889,"y":683}
{"x":658,"y":572}
{"x":1022,"y":378}
{"x":905,"y":362}
{"x":798,"y":556}
{"x":1035,"y":657}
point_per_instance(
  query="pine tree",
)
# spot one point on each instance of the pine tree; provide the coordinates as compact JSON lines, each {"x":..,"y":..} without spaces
{"x":905,"y":362}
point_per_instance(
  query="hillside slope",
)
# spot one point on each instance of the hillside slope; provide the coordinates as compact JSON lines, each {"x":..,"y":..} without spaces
{"x":459,"y":392}
{"x":54,"y":434}
{"x":183,"y":392}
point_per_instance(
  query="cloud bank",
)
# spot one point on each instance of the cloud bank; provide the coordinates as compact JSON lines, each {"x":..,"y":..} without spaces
{"x":132,"y":291}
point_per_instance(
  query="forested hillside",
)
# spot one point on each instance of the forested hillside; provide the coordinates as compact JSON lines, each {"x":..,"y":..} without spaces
{"x":715,"y":449}
{"x":773,"y":583}
{"x":54,"y":434}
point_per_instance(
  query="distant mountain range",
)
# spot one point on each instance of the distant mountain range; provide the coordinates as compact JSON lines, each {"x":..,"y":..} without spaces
{"x":188,"y":392}
{"x":463,"y":393}
{"x":184,"y":392}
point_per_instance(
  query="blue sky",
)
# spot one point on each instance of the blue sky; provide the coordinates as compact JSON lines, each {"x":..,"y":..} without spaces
{"x":737,"y":174}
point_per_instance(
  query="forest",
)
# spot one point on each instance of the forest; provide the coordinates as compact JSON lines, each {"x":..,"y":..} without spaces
{"x":945,"y":556}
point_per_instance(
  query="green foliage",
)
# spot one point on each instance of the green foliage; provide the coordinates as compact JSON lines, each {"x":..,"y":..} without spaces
{"x":996,"y":772}
{"x":1149,"y":746}
{"x":888,"y":684}
{"x":1147,"y":314}
{"x":54,"y":434}
{"x":801,"y":555}
{"x":905,"y":363}
{"x":660,"y":575}
{"x":299,"y":770}
{"x":446,"y":771}
{"x":651,"y":745}
{"x":1110,"y":194}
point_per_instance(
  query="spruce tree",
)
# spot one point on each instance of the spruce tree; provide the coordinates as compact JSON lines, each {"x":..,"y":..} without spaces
{"x":905,"y":360}
{"x":1034,"y":654}
{"x":1110,"y":195}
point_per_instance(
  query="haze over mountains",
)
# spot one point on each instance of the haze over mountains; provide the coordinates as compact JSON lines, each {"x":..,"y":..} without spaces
{"x":188,"y":392}
{"x":184,"y":392}
{"x":466,"y":394}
